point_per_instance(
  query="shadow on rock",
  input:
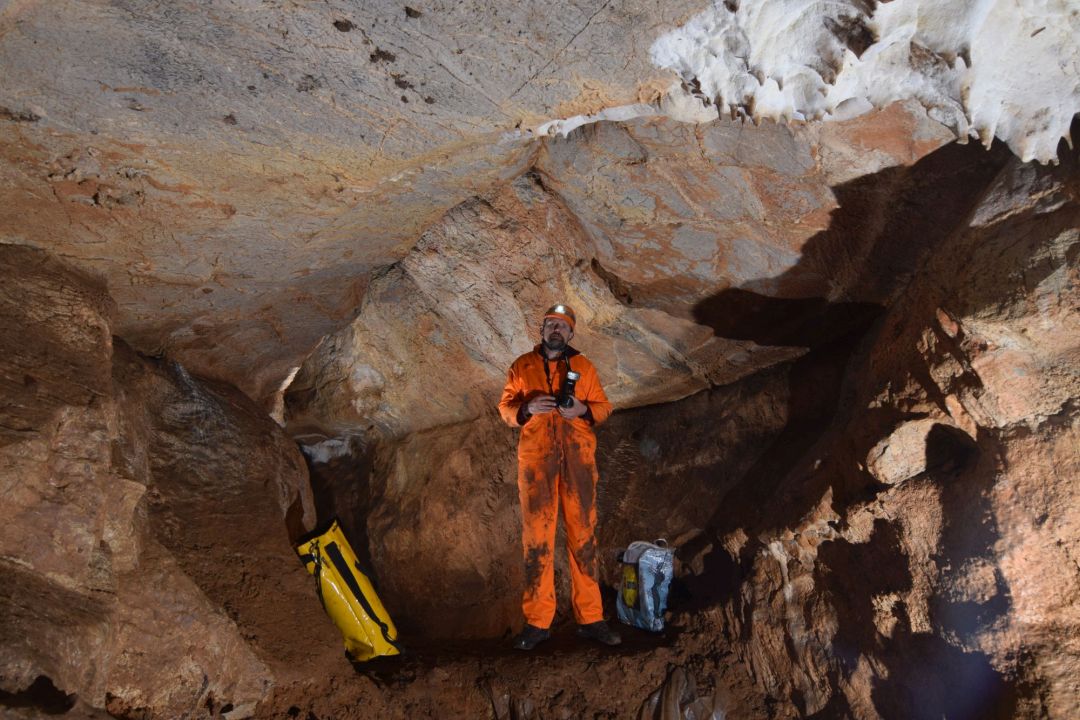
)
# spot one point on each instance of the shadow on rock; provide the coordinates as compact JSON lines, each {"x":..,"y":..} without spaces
{"x":42,"y":695}
{"x":933,"y":680}
{"x":862,"y":625}
{"x":341,"y":489}
{"x":885,"y":227}
{"x":806,"y":322}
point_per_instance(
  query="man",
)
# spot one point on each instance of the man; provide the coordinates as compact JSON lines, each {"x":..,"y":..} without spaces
{"x":556,"y":463}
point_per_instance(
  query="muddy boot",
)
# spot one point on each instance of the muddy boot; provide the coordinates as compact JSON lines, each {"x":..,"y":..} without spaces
{"x":530,"y":637}
{"x":600,"y":632}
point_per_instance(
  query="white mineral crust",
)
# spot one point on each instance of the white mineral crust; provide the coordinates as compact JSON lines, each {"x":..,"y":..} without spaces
{"x":984,"y":68}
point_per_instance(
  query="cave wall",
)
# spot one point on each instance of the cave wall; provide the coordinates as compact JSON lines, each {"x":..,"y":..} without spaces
{"x":881,"y":527}
{"x":436,"y":513}
{"x":428,"y":350}
{"x":144,"y":536}
{"x":916,"y":561}
{"x":466,"y":301}
{"x":427,"y":353}
{"x":875,"y":511}
{"x":879,"y":524}
{"x":635,"y":224}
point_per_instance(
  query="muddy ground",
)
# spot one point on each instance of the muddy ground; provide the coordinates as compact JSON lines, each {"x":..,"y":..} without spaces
{"x":686,"y":671}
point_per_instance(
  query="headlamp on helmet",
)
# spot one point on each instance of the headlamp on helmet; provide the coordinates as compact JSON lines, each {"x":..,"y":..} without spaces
{"x":562,"y":312}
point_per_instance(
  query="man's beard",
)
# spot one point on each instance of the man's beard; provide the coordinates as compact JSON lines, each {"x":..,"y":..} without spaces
{"x":554,"y":344}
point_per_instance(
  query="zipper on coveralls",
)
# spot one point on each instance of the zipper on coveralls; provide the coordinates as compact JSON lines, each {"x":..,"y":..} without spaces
{"x":556,"y":434}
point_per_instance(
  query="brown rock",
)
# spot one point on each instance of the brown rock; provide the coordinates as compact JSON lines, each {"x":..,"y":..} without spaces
{"x":249,"y":237}
{"x":466,"y":301}
{"x":101,"y":464}
{"x":444,"y":531}
{"x":903,"y":454}
{"x":939,"y":594}
{"x":845,"y":362}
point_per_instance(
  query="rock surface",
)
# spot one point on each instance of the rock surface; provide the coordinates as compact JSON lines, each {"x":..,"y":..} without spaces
{"x":879,"y":528}
{"x":143,"y":546}
{"x":933,"y":596}
{"x":235,"y":171}
{"x":238,"y":173}
{"x":902,"y":455}
{"x":464,"y":302}
{"x":844,"y":356}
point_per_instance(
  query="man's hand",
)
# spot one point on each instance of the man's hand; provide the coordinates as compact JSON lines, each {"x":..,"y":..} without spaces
{"x":541,"y":404}
{"x":576,"y":409}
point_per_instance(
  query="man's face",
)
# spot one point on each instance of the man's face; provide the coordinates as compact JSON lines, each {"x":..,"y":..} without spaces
{"x":556,"y":333}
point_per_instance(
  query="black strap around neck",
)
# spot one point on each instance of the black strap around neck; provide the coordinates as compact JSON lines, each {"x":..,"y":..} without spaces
{"x":547,"y":371}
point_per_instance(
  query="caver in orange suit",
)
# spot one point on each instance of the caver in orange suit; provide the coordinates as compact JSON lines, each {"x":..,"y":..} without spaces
{"x":556,"y":464}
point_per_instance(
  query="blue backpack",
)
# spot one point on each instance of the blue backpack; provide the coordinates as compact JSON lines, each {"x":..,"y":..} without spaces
{"x":647,"y":571}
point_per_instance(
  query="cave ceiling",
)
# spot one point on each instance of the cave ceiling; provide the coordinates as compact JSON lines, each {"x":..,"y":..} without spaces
{"x":243,"y":175}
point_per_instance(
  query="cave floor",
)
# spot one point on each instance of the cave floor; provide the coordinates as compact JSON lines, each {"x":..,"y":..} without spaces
{"x":565,"y":677}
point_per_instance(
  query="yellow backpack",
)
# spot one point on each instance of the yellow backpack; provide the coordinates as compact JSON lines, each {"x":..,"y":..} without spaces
{"x":348,"y":596}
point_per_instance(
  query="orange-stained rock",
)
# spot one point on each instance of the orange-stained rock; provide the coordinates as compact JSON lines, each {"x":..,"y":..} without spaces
{"x":236,"y":172}
{"x":945,"y":567}
{"x":845,"y":360}
{"x":146,"y":520}
{"x":676,"y":212}
{"x":437,"y":332}
{"x":902,"y":455}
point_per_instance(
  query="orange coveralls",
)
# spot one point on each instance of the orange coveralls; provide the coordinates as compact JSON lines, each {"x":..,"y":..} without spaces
{"x":556,"y":462}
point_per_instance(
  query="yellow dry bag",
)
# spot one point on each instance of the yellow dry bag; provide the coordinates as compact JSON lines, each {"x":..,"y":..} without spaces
{"x":348,"y":596}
